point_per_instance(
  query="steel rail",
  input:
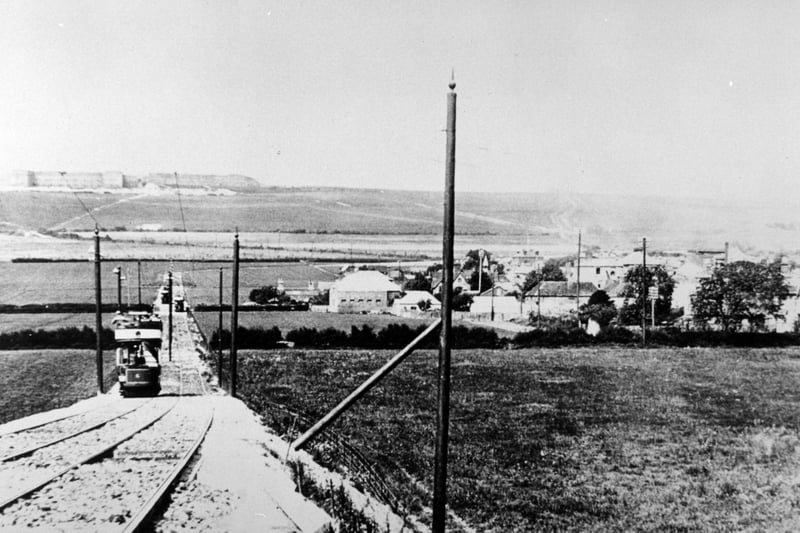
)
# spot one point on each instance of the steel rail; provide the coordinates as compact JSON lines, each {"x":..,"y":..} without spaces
{"x":155,"y":497}
{"x":58,"y":419}
{"x":29,"y":450}
{"x":36,"y":485}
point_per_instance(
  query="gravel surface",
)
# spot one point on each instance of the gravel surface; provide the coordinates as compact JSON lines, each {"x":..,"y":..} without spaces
{"x":113,"y":489}
{"x":231,"y":484}
{"x":16,"y":442}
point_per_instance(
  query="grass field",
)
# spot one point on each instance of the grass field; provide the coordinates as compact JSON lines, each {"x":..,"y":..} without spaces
{"x":73,"y":282}
{"x":572,"y":439}
{"x":289,"y":320}
{"x":39,"y":380}
{"x":48,"y":321}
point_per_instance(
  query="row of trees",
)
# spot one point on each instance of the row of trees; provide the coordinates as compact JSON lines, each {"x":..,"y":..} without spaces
{"x":736,"y":295}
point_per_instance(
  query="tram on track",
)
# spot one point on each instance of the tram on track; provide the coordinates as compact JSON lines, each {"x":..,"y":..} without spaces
{"x":138,"y":338}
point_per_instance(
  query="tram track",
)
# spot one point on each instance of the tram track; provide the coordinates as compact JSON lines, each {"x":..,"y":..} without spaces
{"x":104,"y":469}
{"x":18,"y":444}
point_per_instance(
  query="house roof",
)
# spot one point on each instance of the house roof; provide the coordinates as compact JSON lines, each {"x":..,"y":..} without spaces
{"x":413,"y":297}
{"x":366,"y":281}
{"x":562,"y":289}
{"x":436,"y":277}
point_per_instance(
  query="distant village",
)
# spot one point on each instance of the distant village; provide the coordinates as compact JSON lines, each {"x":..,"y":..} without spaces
{"x":531,"y":289}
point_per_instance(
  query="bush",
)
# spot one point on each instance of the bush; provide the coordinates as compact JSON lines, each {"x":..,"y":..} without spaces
{"x":257,"y":338}
{"x":314,"y":338}
{"x":56,"y":338}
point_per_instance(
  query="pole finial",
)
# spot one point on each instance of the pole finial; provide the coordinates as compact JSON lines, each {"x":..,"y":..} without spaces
{"x":452,"y":83}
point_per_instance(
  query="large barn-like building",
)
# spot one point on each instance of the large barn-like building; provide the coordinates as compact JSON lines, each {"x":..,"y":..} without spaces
{"x":364,"y":291}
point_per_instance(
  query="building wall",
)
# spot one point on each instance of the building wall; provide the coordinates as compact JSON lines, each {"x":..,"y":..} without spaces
{"x":360,"y":301}
{"x":506,"y":305}
{"x":75,"y":180}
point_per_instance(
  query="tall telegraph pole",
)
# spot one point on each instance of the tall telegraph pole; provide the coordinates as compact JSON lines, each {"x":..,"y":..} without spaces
{"x":443,"y":414}
{"x":219,"y":332}
{"x":578,"y":284}
{"x":169,"y":293}
{"x":98,"y":310}
{"x":234,"y":312}
{"x":644,"y":291}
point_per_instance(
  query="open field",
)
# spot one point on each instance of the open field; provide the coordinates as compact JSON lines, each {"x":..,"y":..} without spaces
{"x":19,"y":321}
{"x":571,"y":439}
{"x":289,"y":320}
{"x":39,"y":380}
{"x":73,"y":282}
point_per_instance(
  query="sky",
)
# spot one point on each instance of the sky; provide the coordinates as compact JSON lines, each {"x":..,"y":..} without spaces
{"x":679,"y":98}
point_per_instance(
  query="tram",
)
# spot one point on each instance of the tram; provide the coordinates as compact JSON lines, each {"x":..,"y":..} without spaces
{"x":138,"y":338}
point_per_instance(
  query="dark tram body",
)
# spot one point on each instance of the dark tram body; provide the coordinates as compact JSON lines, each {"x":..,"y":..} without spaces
{"x":138,"y":338}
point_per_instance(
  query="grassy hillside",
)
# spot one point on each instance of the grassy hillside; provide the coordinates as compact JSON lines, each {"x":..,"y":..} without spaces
{"x":607,"y":221}
{"x":570,"y":439}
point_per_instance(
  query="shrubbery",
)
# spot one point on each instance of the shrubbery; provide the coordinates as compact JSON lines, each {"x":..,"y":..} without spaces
{"x":393,"y":336}
{"x":54,"y":338}
{"x":659,"y":337}
{"x":397,"y":336}
{"x":249,"y":338}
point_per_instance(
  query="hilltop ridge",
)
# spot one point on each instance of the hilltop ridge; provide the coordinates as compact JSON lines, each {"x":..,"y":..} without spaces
{"x":115,"y":179}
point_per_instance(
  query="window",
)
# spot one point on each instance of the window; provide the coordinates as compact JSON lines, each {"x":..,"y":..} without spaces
{"x":597,"y":270}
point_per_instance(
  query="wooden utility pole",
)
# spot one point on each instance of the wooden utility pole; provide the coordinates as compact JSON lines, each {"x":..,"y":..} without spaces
{"x":578,"y":289}
{"x":644,"y":291}
{"x":169,"y":293}
{"x":234,"y":312}
{"x":219,"y":332}
{"x":139,"y":275}
{"x":98,"y":313}
{"x":539,"y":299}
{"x":443,"y":413}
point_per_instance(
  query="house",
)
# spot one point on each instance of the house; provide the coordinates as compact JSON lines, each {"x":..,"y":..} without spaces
{"x":414,"y":303}
{"x":501,"y":288}
{"x":558,"y":298}
{"x":459,"y":282}
{"x":519,"y":265}
{"x":600,"y":271}
{"x":364,"y":291}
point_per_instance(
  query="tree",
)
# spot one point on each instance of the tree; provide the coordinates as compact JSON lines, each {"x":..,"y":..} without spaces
{"x":599,"y":308}
{"x":739,"y":291}
{"x":631,"y":311}
{"x":551,"y":271}
{"x":473,"y":258}
{"x":323,"y":298}
{"x":419,"y":282}
{"x":267,"y":294}
{"x":461,"y":301}
{"x":485,"y":281}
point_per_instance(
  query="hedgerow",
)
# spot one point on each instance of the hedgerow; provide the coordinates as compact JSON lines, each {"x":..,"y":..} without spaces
{"x":54,"y":338}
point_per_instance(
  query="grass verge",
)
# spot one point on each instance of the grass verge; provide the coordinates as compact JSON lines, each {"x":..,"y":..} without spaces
{"x":570,"y":438}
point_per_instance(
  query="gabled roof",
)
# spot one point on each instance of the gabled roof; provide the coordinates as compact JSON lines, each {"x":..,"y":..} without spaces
{"x":366,"y":281}
{"x":562,"y":289}
{"x":413,"y":297}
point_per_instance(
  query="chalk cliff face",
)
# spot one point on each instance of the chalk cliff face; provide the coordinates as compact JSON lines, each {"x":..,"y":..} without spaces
{"x":232,"y":182}
{"x":117,"y":180}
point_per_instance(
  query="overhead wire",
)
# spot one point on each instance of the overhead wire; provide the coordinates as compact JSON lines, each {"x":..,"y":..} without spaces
{"x":88,"y":212}
{"x":183,"y":223}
